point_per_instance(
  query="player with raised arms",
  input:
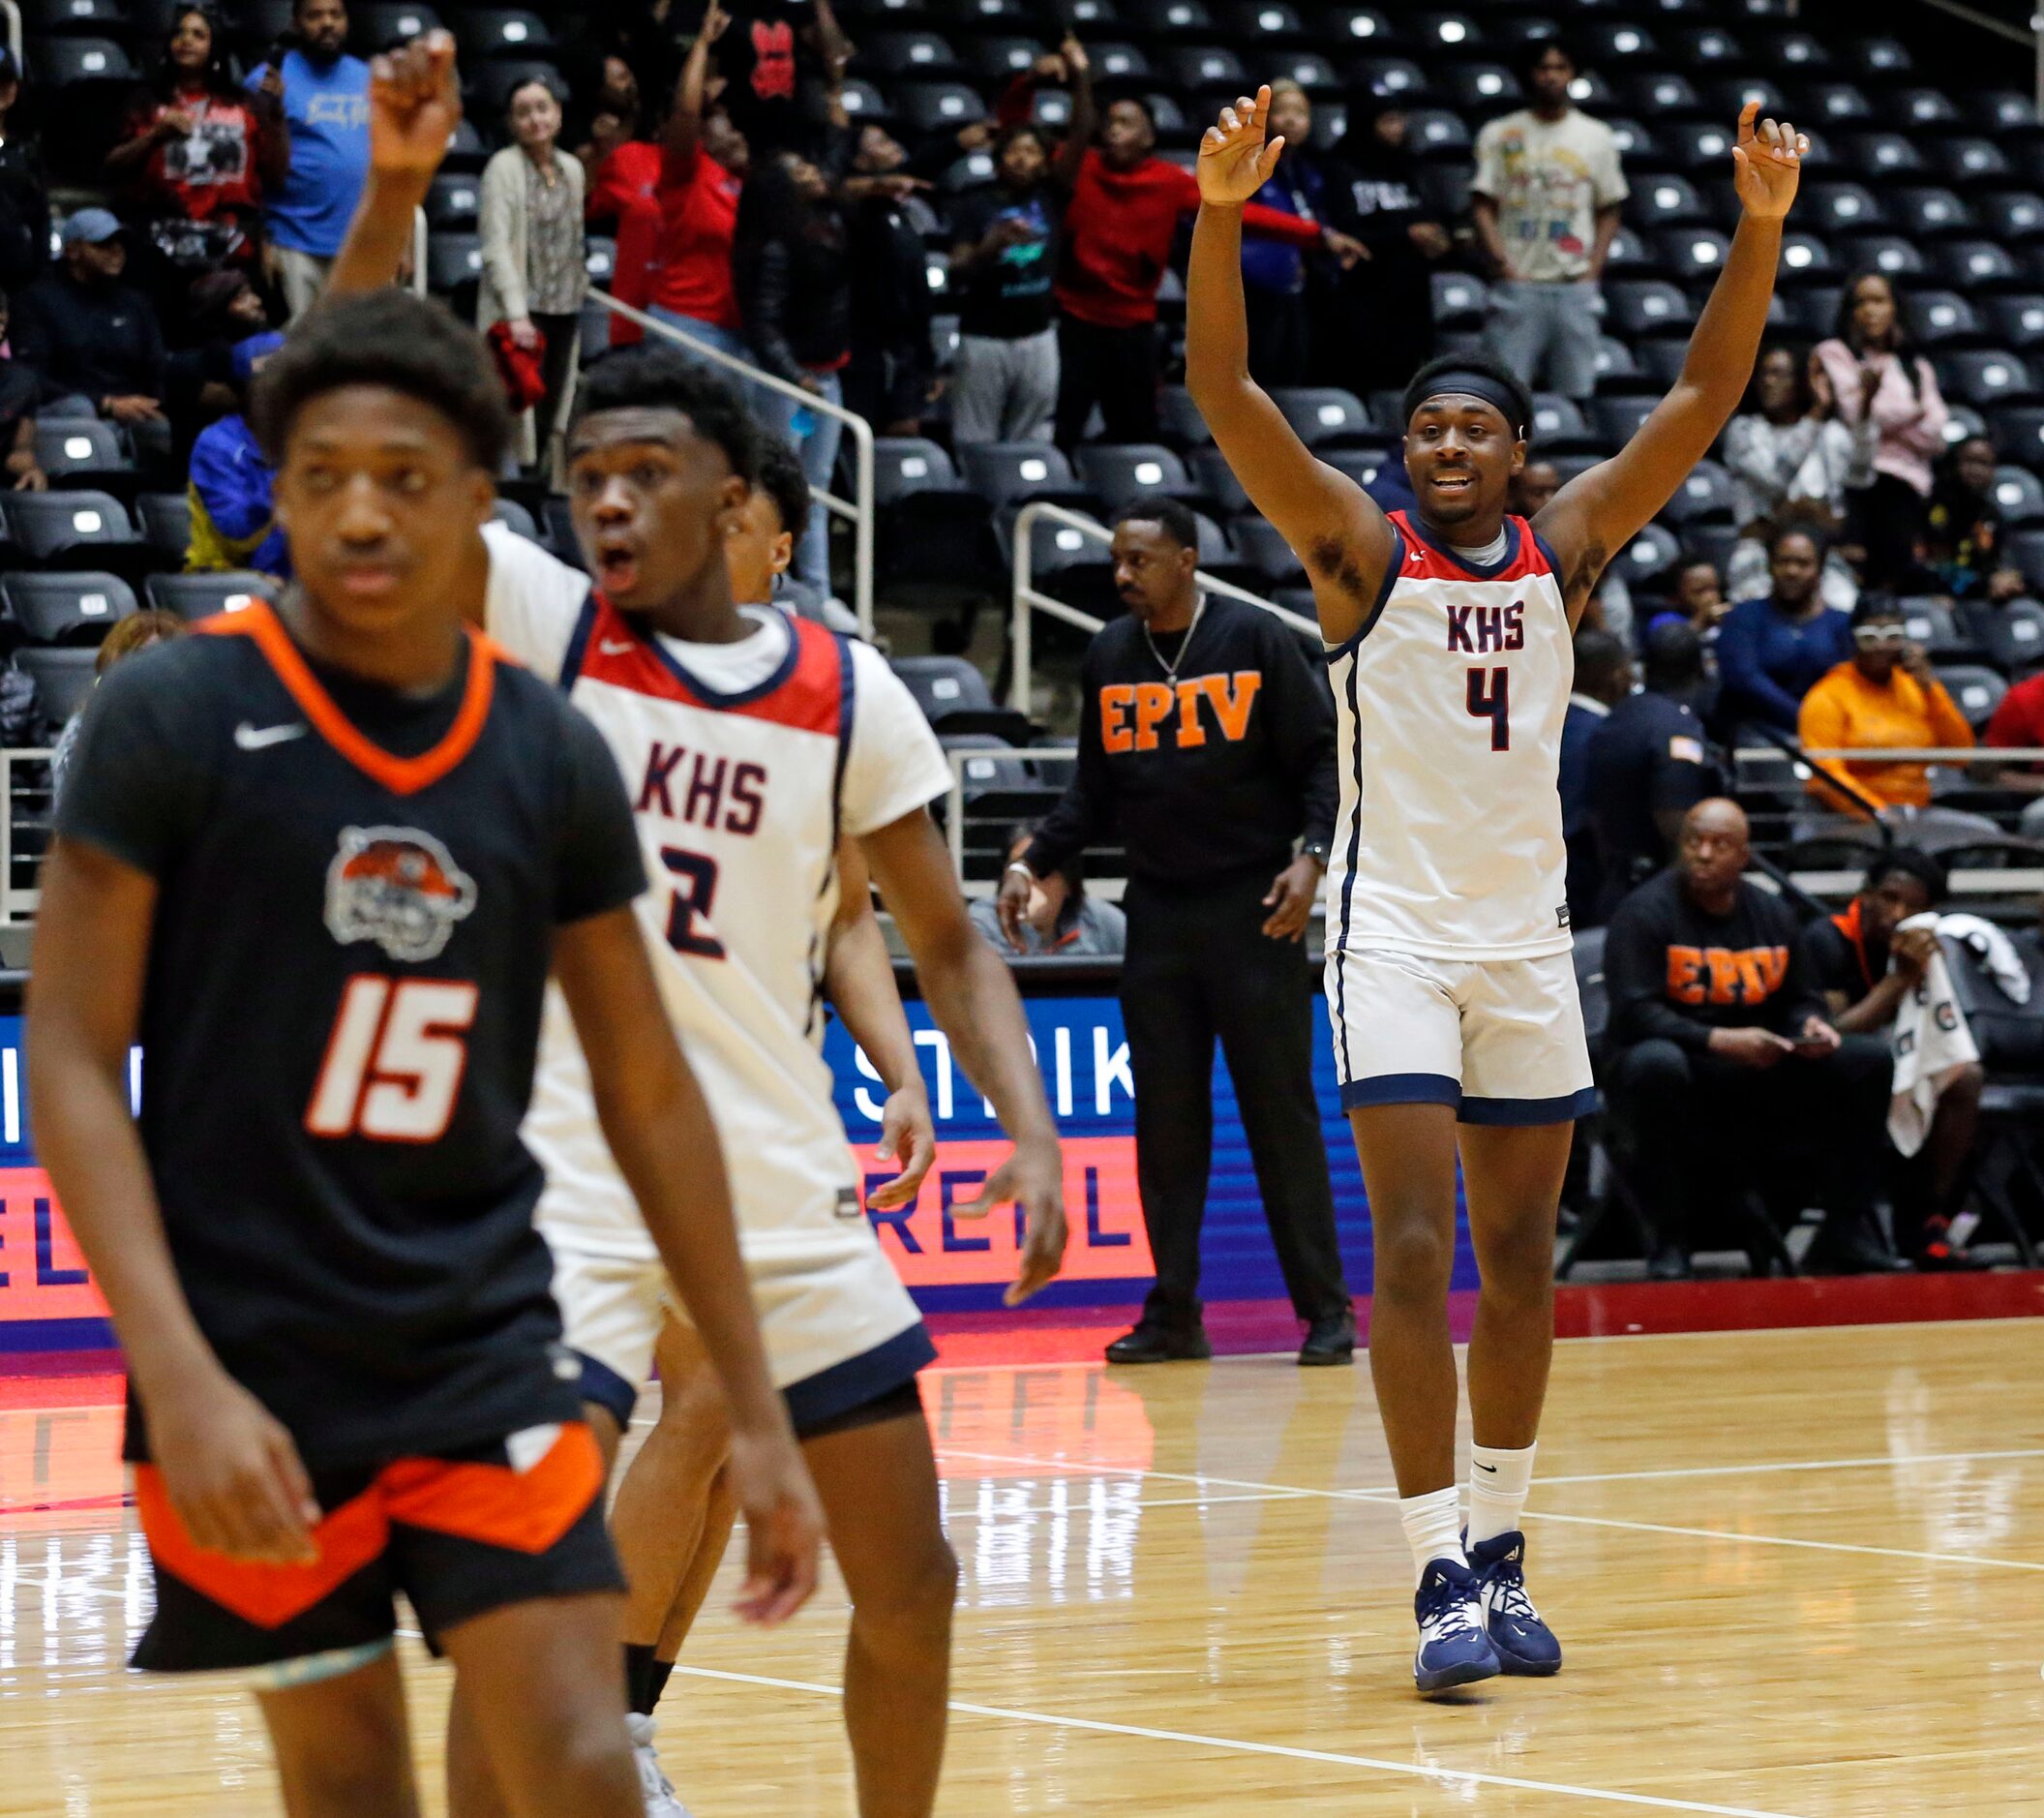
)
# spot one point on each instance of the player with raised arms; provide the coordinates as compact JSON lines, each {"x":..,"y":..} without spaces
{"x":1456,"y":1027}
{"x":321,"y":863}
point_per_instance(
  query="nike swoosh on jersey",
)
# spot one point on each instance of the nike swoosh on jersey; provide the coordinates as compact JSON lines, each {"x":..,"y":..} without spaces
{"x":261,"y":738}
{"x":617,"y":646}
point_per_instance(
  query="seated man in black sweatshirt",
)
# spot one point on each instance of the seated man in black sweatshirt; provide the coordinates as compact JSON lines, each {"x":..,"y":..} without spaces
{"x":1207,"y":749}
{"x":1726,"y":1061}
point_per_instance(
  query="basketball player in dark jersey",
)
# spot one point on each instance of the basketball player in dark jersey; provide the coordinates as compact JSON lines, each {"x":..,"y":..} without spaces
{"x":320,"y":863}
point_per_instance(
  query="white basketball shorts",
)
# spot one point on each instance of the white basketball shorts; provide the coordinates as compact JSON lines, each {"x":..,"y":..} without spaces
{"x":1499,"y":1040}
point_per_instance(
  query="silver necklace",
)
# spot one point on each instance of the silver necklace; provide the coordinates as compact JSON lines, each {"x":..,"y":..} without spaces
{"x":1170,"y":669}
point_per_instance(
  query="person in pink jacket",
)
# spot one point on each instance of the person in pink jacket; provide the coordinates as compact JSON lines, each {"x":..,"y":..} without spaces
{"x":1876,"y":372}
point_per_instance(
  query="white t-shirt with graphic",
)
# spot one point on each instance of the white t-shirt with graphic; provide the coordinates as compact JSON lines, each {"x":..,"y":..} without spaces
{"x":1548,"y":179}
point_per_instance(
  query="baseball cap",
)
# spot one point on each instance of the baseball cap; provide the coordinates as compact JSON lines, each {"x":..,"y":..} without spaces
{"x":94,"y":226}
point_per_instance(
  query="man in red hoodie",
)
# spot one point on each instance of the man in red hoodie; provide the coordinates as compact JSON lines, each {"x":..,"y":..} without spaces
{"x":1118,"y":229}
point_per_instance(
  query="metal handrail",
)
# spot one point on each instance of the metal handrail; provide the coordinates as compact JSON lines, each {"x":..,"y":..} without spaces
{"x":1029,"y":598}
{"x":15,"y":905}
{"x":1906,"y":754}
{"x":418,"y":247}
{"x":954,"y":800}
{"x":859,"y":509}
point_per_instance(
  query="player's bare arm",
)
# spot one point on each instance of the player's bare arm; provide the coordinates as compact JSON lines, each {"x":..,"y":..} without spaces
{"x":1333,"y":526}
{"x":414,"y":106}
{"x":973,"y":996}
{"x":659,"y":1129}
{"x":858,"y":979}
{"x":229,"y":1466}
{"x":1602,"y":510}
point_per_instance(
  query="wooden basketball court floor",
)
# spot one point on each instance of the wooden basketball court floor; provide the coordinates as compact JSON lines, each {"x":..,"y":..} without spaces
{"x":1797,"y":1573}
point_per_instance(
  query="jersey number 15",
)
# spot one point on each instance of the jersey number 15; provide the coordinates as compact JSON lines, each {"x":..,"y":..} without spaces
{"x":394,"y":1059}
{"x":1491,"y":698}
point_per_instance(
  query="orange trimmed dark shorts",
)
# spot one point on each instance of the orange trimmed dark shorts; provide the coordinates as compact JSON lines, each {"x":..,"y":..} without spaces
{"x":517,"y":1519}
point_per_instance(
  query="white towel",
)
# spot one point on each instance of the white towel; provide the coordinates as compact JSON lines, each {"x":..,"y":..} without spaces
{"x":1931,"y":1042}
{"x":1996,"y":952}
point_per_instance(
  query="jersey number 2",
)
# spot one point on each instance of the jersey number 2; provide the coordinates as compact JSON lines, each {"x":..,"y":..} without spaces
{"x":1491,"y":698}
{"x":695,"y":891}
{"x":395,"y":1060}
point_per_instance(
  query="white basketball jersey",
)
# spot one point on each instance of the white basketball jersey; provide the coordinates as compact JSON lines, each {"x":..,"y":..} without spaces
{"x":739,"y":798}
{"x":1450,"y":703}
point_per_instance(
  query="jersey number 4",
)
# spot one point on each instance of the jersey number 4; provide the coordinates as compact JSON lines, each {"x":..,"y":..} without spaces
{"x":395,"y":1060}
{"x":1491,"y":698}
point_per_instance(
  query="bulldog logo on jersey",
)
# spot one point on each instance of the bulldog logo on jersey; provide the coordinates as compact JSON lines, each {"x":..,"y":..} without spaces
{"x":397,"y":887}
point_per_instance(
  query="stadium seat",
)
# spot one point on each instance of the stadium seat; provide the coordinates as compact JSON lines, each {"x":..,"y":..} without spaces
{"x":1662,"y":96}
{"x":943,"y":685}
{"x":1262,"y":20}
{"x":1615,"y":42}
{"x":1012,"y":473}
{"x":2018,"y":435}
{"x":1435,"y":133}
{"x":1971,"y":265}
{"x":1263,"y":551}
{"x":1806,"y":258}
{"x":1556,"y":419}
{"x":453,"y":200}
{"x":862,"y":101}
{"x":1322,"y":415}
{"x":1703,"y":497}
{"x":502,"y":32}
{"x":1206,"y":66}
{"x":1179,"y":418}
{"x":2012,"y":634}
{"x":1692,"y":254}
{"x":1884,"y":57}
{"x":1840,"y":105}
{"x":1398,"y":77}
{"x":1168,"y":18}
{"x":1001,"y":59}
{"x":1115,"y":474}
{"x":74,"y":15}
{"x":1218,"y":481}
{"x":493,"y":83}
{"x":1943,"y":316}
{"x":1972,"y":161}
{"x":453,"y":260}
{"x":1975,"y":690}
{"x":1934,"y":624}
{"x":1889,"y":155}
{"x":924,"y":55}
{"x":71,"y":408}
{"x":1797,"y":52}
{"x":1618,"y":368}
{"x":1928,"y":212}
{"x":1617,"y":419}
{"x":1077,"y":565}
{"x":91,"y":452}
{"x":1449,"y":34}
{"x":1923,"y":107}
{"x":63,"y":679}
{"x":59,"y":63}
{"x":380,"y":24}
{"x":196,"y":597}
{"x":1653,"y":551}
{"x":1648,"y":307}
{"x":1839,"y":208}
{"x":903,"y":465}
{"x":465,"y":150}
{"x":1479,"y":88}
{"x":1984,"y":380}
{"x":2019,"y":496}
{"x":1659,"y":201}
{"x":1707,"y":48}
{"x":2011,"y":213}
{"x":66,"y":607}
{"x":1119,"y":63}
{"x":165,"y":523}
{"x":62,"y":527}
{"x":1459,"y":300}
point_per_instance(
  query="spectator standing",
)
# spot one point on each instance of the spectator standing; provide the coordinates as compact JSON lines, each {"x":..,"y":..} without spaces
{"x":20,"y":389}
{"x":197,"y":152}
{"x":1206,"y":747}
{"x":326,"y":114}
{"x":1375,"y":326}
{"x":1275,"y":275}
{"x":1648,"y":764}
{"x":789,"y":261}
{"x":2018,"y":725}
{"x":1961,"y":545}
{"x":88,"y":333}
{"x":1724,"y":1057}
{"x":1118,"y":229}
{"x":1885,"y":697}
{"x":1866,"y":964}
{"x":893,"y":366}
{"x":1603,"y":677}
{"x":1006,"y":244}
{"x":1545,"y":202}
{"x":1061,"y":917}
{"x":24,"y":197}
{"x":781,"y":63}
{"x":1795,"y":464}
{"x":234,"y":521}
{"x":1878,"y":376}
{"x":535,"y":270}
{"x":1772,"y":651}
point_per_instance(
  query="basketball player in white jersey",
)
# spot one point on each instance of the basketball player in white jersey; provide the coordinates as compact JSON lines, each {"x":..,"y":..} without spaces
{"x":1455,"y":1023}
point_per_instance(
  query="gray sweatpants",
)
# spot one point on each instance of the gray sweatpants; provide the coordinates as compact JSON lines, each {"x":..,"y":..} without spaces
{"x":1003,"y":391}
{"x":1546,"y":327}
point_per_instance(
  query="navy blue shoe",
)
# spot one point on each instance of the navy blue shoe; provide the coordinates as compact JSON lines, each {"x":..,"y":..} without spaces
{"x":1454,"y":1650}
{"x":1524,"y":1643}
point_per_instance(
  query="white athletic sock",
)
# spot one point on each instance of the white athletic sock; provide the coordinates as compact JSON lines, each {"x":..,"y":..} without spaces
{"x":1433,"y":1528}
{"x":1499,"y":1482}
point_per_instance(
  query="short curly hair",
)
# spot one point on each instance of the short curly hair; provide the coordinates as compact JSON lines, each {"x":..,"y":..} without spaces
{"x":657,"y":377}
{"x":389,"y":338}
{"x":782,"y":479}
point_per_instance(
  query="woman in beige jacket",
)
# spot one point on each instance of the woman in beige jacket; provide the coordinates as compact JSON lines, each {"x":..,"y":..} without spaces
{"x":534,"y":275}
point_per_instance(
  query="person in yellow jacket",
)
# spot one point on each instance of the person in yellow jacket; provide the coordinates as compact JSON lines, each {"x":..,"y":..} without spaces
{"x":1887,"y":698}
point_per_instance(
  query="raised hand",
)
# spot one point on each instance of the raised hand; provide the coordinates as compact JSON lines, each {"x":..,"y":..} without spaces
{"x":1234,"y":162}
{"x":715,"y":23}
{"x":414,"y":106}
{"x":1765,"y":164}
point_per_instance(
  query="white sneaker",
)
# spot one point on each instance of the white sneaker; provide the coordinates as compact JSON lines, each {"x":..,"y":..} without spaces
{"x":657,"y":1790}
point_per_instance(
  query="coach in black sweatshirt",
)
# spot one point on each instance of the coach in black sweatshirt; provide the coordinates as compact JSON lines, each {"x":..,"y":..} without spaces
{"x":1726,"y":1063}
{"x":1207,"y":747}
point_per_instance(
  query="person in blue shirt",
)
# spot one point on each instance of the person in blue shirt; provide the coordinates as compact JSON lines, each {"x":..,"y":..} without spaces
{"x":1275,"y":272}
{"x":1771,"y":650}
{"x":233,"y":523}
{"x":326,"y":104}
{"x":1603,"y":677}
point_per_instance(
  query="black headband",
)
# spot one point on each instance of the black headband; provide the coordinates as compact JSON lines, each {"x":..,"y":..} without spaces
{"x":1469,"y":384}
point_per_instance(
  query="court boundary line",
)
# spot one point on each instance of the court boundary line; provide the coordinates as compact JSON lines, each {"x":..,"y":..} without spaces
{"x":1291,"y":1492}
{"x":1445,"y":1778}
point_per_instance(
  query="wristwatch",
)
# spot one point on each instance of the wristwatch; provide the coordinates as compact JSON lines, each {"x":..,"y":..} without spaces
{"x":1316,"y":850}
